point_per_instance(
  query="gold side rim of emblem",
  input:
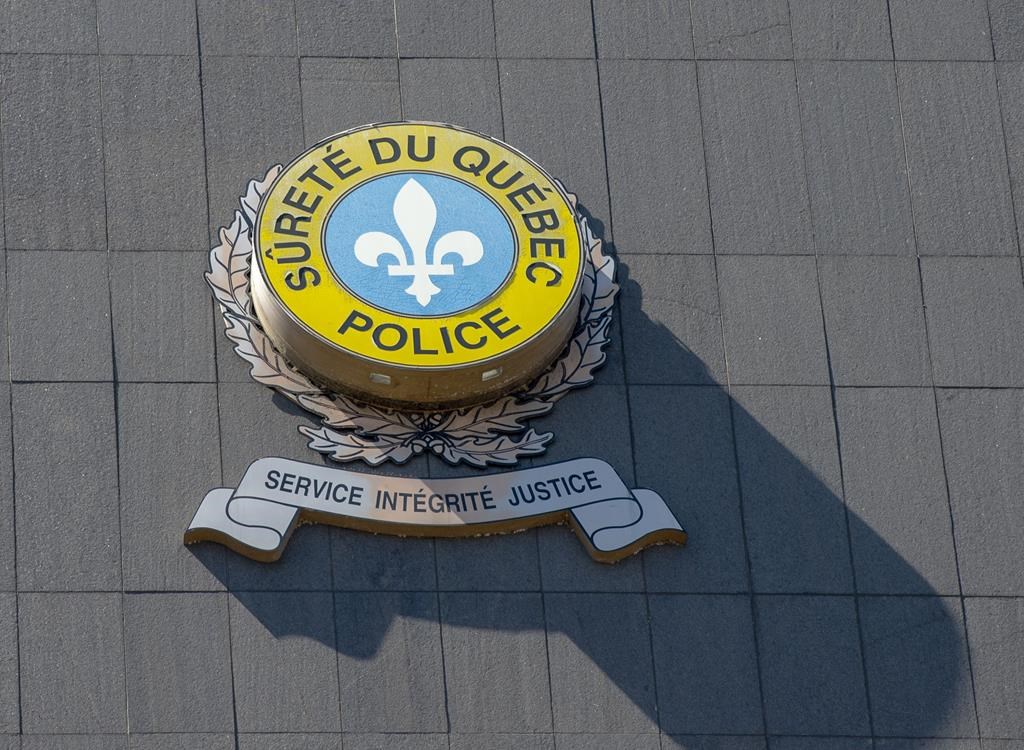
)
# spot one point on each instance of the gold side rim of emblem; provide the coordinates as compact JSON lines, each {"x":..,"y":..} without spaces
{"x":420,"y":386}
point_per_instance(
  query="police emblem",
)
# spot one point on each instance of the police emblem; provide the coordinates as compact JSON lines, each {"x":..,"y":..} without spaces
{"x":410,"y":271}
{"x":419,"y":287}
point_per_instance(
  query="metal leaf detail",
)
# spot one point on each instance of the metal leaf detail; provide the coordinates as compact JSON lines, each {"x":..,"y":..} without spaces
{"x":490,"y":434}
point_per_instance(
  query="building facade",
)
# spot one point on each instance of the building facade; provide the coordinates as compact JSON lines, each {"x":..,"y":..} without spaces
{"x":817,"y":359}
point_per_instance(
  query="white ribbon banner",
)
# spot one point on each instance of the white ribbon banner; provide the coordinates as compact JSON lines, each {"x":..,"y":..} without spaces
{"x":277,"y":494}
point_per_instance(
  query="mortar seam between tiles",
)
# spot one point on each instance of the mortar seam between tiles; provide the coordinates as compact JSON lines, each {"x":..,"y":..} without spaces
{"x":622,"y":363}
{"x":216,"y":371}
{"x":114,"y":383}
{"x":730,"y":403}
{"x":931,"y":368}
{"x":868,"y":707}
{"x":10,"y":403}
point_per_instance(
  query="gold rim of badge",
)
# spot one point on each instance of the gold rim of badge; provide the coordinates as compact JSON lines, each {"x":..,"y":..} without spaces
{"x":417,"y":265}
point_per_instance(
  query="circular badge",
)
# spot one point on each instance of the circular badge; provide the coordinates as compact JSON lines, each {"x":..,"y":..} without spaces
{"x":417,"y":265}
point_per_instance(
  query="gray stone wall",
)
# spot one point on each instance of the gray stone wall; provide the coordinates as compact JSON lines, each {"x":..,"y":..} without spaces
{"x":818,"y":361}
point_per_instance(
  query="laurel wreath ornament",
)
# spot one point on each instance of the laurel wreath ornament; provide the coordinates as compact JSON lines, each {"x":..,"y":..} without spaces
{"x":495,"y":433}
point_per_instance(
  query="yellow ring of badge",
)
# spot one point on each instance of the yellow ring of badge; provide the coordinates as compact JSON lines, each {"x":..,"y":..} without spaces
{"x":345,"y":342}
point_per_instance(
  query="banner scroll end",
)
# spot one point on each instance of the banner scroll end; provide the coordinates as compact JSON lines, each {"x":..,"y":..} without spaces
{"x":657,"y":525}
{"x":194,"y":535}
{"x":674,"y":537}
{"x":213,"y":523}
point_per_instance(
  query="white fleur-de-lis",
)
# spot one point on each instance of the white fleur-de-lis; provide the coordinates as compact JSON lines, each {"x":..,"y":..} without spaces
{"x":416,"y":215}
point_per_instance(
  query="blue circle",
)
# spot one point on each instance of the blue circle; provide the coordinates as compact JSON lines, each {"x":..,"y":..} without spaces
{"x":384,"y":280}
